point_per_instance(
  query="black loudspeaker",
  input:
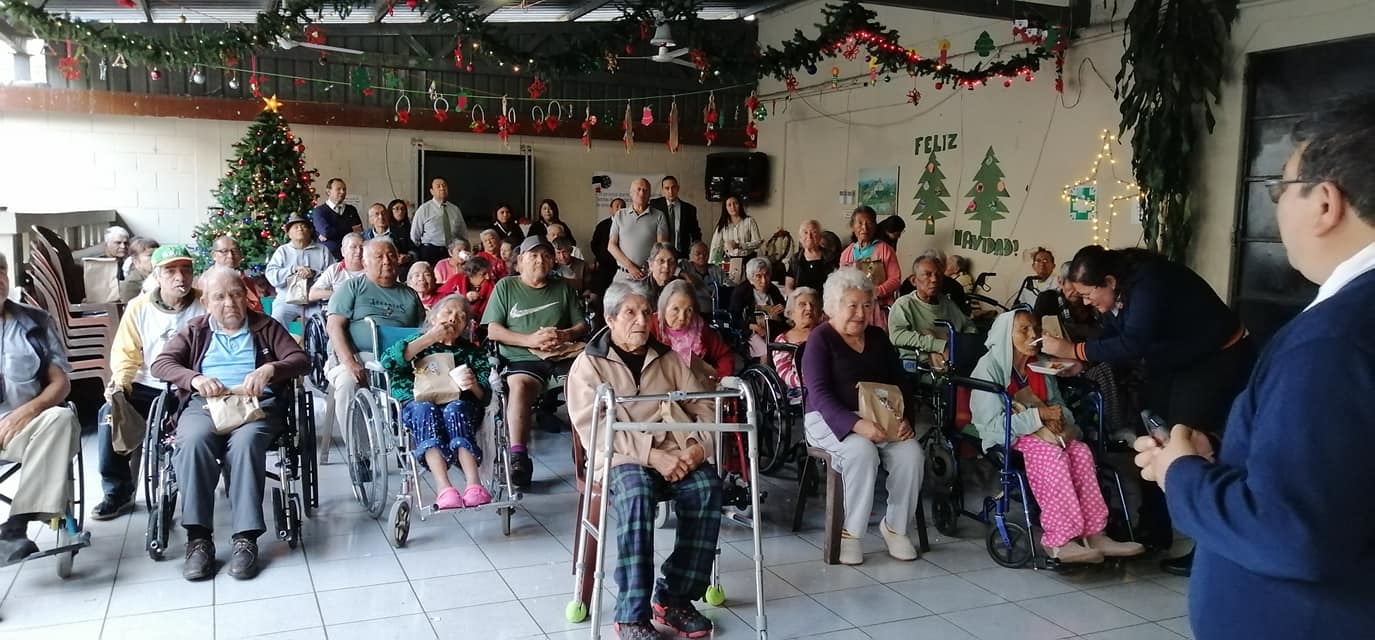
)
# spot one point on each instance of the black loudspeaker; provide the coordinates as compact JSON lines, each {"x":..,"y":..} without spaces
{"x":738,"y":173}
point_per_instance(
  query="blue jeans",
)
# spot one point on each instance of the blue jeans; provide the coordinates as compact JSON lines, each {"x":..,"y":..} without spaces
{"x":447,"y":428}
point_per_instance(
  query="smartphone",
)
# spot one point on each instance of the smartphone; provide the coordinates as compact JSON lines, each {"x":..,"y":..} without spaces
{"x":1156,"y":426}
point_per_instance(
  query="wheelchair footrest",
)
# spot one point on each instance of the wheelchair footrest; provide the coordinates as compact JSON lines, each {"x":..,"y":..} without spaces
{"x":82,"y":541}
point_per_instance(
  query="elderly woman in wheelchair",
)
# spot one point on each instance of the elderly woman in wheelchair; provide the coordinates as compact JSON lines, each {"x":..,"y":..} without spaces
{"x":1059,"y":466}
{"x":231,"y":352}
{"x":443,"y":412}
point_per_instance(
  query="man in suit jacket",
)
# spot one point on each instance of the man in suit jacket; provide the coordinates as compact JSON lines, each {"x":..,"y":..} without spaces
{"x":682,"y":217}
{"x":333,"y":219}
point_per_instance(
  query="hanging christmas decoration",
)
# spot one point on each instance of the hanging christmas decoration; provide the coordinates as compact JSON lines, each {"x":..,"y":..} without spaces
{"x":120,"y":62}
{"x":760,"y":113}
{"x":588,"y":122}
{"x":536,"y":88}
{"x":811,"y":69}
{"x":791,"y":83}
{"x":461,"y":102}
{"x":440,"y":109}
{"x":391,"y":80}
{"x":752,"y":102}
{"x":984,"y":45}
{"x":751,"y":135}
{"x":851,"y":48}
{"x":673,"y":145}
{"x":751,"y":132}
{"x":314,"y":34}
{"x":613,"y":63}
{"x":914,"y":96}
{"x":234,"y":81}
{"x":945,"y":52}
{"x":360,"y":81}
{"x":476,"y":123}
{"x":505,"y":123}
{"x":458,"y":53}
{"x":403,"y":109}
{"x":873,"y":69}
{"x":70,"y":65}
{"x":197,"y":76}
{"x":647,"y":116}
{"x":555,"y":115}
{"x":1084,"y":196}
{"x":835,"y":77}
{"x":155,"y":74}
{"x":537,"y":118}
{"x":710,"y":117}
{"x":628,"y":125}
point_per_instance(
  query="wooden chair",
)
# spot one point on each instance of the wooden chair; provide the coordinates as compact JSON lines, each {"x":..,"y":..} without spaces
{"x":835,"y":505}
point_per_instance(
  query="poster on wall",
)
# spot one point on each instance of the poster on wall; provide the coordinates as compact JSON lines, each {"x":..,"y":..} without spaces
{"x":1083,"y":199}
{"x":878,"y":188}
{"x":986,"y":207}
{"x":609,"y":185}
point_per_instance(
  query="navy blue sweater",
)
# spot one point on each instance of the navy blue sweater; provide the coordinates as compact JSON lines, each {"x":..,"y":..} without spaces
{"x":1170,"y":317}
{"x":1283,"y":521}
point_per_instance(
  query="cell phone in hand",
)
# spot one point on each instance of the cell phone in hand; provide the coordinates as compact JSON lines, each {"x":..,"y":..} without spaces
{"x":1156,"y":426}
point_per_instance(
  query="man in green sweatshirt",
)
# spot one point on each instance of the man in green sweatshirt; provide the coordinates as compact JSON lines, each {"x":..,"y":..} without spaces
{"x":912,"y":322}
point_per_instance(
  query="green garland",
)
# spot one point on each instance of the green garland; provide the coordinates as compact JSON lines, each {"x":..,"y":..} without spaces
{"x":729,"y":58}
{"x":1172,"y":66}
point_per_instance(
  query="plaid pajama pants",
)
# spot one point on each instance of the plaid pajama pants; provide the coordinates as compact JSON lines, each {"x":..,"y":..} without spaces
{"x":697,"y":498}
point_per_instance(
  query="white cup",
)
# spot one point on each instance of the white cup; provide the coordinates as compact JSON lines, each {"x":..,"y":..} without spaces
{"x":459,"y":375}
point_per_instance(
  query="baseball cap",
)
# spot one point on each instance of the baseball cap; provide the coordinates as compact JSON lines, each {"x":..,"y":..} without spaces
{"x":170,"y":254}
{"x":535,"y":242}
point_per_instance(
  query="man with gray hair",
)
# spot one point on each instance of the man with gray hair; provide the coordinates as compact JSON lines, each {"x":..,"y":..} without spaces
{"x":230,"y":351}
{"x":949,"y":287}
{"x":147,"y":324}
{"x":378,"y":295}
{"x":347,"y":269}
{"x":634,"y":232}
{"x":912,"y":322}
{"x":114,"y":245}
{"x":36,"y":429}
{"x":647,"y":468}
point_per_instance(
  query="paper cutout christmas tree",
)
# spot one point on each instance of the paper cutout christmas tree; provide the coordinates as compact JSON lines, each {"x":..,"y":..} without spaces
{"x":930,"y":196}
{"x":988,"y":191}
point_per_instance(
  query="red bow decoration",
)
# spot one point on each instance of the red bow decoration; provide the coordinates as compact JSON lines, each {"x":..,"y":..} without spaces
{"x":551,"y":123}
{"x":70,"y":66}
{"x":851,"y":49}
{"x":699,"y":59}
{"x":502,"y":131}
{"x":441,"y":116}
{"x":314,"y":35}
{"x":587,"y":124}
{"x":791,"y":83}
{"x":751,"y":135}
{"x":536,"y":89}
{"x":478,"y":126}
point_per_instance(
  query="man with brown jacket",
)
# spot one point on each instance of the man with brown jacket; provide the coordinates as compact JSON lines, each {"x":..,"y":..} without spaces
{"x":237,"y":351}
{"x":647,"y":468}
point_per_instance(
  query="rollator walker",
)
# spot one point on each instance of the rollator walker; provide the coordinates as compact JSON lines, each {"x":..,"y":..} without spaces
{"x":588,"y":597}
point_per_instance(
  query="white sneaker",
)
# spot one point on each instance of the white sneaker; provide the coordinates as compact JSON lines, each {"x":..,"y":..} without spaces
{"x":851,"y":551}
{"x":899,"y":544}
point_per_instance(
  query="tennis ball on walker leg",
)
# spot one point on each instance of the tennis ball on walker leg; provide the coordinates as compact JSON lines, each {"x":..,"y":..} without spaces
{"x":715,"y":595}
{"x":575,"y":611}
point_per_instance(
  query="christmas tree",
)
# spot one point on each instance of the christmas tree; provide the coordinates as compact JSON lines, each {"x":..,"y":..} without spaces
{"x":267,"y":181}
{"x":931,"y":189}
{"x":989,"y":189}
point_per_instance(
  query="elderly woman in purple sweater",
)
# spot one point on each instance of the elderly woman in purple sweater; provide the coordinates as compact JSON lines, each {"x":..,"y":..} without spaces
{"x":841,"y":353}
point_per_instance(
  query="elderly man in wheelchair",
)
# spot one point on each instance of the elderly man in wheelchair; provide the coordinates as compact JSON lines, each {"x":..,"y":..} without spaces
{"x":231,"y":352}
{"x":36,"y":429}
{"x":650,"y":467}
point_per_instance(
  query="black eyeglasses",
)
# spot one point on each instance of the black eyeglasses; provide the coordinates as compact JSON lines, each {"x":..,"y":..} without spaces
{"x":1276,"y":186}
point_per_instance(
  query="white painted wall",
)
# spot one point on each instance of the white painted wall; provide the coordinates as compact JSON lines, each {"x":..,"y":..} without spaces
{"x":159,"y":172}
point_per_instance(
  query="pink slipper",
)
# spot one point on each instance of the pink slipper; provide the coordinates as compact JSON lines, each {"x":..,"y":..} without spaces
{"x":476,"y":495}
{"x":449,"y":499}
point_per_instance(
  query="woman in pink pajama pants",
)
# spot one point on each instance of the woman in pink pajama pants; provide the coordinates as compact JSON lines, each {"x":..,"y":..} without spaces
{"x":1058,"y":465}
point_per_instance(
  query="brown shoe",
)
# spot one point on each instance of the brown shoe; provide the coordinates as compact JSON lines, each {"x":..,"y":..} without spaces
{"x":1076,"y":552}
{"x":1114,"y":549}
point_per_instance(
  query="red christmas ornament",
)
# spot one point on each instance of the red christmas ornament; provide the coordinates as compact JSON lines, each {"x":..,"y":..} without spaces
{"x":300,"y":82}
{"x":367,"y":92}
{"x":469,"y":68}
{"x":300,"y":148}
{"x":412,"y":4}
{"x":128,"y":4}
{"x":629,"y":49}
{"x":281,"y":195}
{"x":440,"y":115}
{"x":551,"y":122}
{"x":403,"y":117}
{"x":939,"y":85}
{"x":851,"y":50}
{"x":458,"y":54}
{"x":265,"y":234}
{"x":536,"y":89}
{"x":242,"y":162}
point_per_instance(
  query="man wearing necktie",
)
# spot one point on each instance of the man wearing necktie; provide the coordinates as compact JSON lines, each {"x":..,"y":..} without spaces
{"x":333,"y":219}
{"x":682,"y":216}
{"x":436,"y":223}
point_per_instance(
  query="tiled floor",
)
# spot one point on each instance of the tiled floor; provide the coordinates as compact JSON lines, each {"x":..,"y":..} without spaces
{"x":460,"y":577}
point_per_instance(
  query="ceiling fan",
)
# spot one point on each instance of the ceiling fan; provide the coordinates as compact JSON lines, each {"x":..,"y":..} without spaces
{"x":663,"y":38}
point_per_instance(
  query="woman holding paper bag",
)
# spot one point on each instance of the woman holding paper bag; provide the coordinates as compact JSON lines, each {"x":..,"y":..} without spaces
{"x":842,"y":355}
{"x":441,"y":379}
{"x":1059,"y":466}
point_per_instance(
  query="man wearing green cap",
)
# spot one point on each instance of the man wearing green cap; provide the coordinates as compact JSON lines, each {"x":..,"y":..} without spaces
{"x":148,"y":322}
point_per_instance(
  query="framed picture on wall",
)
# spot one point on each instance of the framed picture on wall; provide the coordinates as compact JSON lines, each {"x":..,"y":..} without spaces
{"x":878,"y":188}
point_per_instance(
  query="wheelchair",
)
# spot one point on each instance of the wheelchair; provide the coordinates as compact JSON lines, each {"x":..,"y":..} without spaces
{"x":70,"y":528}
{"x":780,"y":407}
{"x":1009,"y":542}
{"x":316,"y":345}
{"x":376,"y":438}
{"x":296,"y":490}
{"x":589,"y":553}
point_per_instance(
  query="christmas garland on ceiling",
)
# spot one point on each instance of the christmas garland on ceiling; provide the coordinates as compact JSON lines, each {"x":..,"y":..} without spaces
{"x":847,"y":29}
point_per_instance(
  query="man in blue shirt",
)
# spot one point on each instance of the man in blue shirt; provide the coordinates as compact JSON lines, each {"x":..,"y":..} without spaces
{"x":1285,"y":541}
{"x":333,"y":219}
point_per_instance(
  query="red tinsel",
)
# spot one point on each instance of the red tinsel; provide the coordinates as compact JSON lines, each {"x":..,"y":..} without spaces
{"x":70,"y":65}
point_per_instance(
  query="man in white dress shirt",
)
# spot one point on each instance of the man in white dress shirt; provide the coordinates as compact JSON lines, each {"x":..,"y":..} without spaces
{"x":436,"y":223}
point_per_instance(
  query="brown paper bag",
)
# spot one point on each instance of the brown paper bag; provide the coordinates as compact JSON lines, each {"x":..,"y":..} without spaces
{"x":735,"y":269}
{"x":433,"y":383}
{"x":127,"y":425}
{"x":229,"y":412}
{"x":873,"y":270}
{"x":297,"y":291}
{"x":562,"y":352}
{"x":101,"y":276}
{"x":882,"y":404}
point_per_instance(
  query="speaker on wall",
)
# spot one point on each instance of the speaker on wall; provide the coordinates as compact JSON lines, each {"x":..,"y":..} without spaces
{"x":738,"y":173}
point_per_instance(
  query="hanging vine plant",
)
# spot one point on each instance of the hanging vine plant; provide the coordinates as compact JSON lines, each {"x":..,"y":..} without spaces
{"x":1172,"y":66}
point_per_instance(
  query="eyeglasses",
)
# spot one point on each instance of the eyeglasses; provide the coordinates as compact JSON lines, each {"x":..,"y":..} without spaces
{"x":1276,"y":187}
{"x":228,"y":251}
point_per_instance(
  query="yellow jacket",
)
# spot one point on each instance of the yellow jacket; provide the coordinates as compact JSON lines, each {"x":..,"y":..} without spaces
{"x":143,"y":331}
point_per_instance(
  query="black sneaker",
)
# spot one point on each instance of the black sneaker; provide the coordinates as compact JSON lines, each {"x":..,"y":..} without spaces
{"x":109,"y":509}
{"x":200,"y":559}
{"x":686,"y":621}
{"x":636,"y":631}
{"x":243,"y":561}
{"x":522,"y":469}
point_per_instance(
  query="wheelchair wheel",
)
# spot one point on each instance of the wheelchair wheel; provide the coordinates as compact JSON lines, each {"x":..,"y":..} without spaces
{"x":293,"y":518}
{"x":505,"y":513}
{"x":1013,"y":553}
{"x":399,"y":522}
{"x":367,"y":455}
{"x":945,"y":514}
{"x":317,"y":349}
{"x":65,"y":560}
{"x":772,"y":420}
{"x":942,"y":472}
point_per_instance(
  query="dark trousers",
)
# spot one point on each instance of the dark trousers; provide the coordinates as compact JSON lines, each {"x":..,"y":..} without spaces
{"x":635,"y":490}
{"x":432,"y":253}
{"x":1200,"y":396}
{"x":117,"y":471}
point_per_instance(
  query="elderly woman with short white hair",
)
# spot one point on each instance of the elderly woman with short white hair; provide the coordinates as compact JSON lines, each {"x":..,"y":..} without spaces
{"x":841,"y":354}
{"x":756,"y":293}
